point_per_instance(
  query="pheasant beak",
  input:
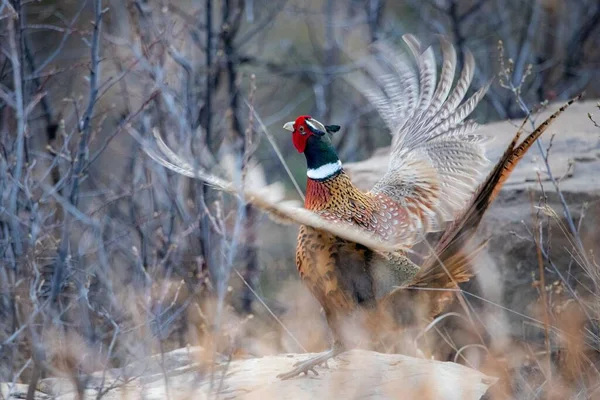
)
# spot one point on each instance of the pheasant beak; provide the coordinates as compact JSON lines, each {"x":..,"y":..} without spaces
{"x":289,"y":126}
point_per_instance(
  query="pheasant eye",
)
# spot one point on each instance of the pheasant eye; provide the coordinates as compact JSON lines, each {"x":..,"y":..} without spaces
{"x":301,"y":129}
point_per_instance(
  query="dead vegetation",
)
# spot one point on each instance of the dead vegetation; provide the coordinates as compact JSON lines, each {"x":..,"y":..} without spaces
{"x":106,"y":258}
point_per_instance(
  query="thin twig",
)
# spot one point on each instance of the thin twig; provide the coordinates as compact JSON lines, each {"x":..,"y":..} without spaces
{"x":20,"y":145}
{"x":262,"y":302}
{"x":538,"y":244}
{"x":85,"y":129}
{"x":565,"y":207}
{"x":277,"y":151}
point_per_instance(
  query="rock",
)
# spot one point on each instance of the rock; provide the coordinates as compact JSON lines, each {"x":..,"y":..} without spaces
{"x":574,"y":156}
{"x":356,"y":374}
{"x":9,"y":391}
{"x":575,"y":162}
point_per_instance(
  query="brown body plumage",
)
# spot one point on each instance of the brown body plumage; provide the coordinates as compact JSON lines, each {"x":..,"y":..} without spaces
{"x":348,"y":279}
{"x":337,"y":199}
{"x":351,"y":244}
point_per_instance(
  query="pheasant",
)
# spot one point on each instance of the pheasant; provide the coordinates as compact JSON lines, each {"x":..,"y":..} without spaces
{"x":352,"y":245}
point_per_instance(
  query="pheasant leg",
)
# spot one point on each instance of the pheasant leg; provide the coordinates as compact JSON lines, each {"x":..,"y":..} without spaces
{"x":309,"y":365}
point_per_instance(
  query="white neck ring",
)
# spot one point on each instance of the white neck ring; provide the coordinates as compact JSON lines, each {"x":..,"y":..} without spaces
{"x":325,"y":170}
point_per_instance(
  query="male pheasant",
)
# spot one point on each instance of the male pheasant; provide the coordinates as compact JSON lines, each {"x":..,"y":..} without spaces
{"x":352,"y":245}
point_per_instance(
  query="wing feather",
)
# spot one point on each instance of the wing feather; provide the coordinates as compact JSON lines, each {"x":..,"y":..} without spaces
{"x":392,"y":91}
{"x":282,"y":211}
{"x":436,"y":156}
{"x":446,"y":78}
{"x":461,"y":113}
{"x":376,"y":97}
{"x":427,"y":76}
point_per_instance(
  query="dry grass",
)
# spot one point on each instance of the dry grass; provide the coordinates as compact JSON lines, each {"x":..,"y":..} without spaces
{"x":107,"y":259}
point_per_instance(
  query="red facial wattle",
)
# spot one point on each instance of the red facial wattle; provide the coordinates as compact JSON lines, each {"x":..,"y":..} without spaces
{"x":301,"y":133}
{"x":299,"y":141}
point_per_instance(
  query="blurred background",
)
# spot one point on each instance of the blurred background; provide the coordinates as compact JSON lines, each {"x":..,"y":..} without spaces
{"x":105,"y":254}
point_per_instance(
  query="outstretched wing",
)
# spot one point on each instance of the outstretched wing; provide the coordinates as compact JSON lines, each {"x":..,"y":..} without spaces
{"x":450,"y":262}
{"x":280,"y":210}
{"x":435,"y":159}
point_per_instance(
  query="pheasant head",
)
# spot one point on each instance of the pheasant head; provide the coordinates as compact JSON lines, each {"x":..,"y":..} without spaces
{"x":313,"y":139}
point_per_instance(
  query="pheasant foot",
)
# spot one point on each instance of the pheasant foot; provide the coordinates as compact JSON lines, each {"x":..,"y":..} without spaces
{"x":304,"y":367}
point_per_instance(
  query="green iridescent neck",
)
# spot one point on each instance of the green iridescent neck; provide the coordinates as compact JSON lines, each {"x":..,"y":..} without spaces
{"x":322,"y":160}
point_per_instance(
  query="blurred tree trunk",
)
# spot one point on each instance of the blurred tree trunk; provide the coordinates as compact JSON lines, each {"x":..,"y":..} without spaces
{"x":232,"y":11}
